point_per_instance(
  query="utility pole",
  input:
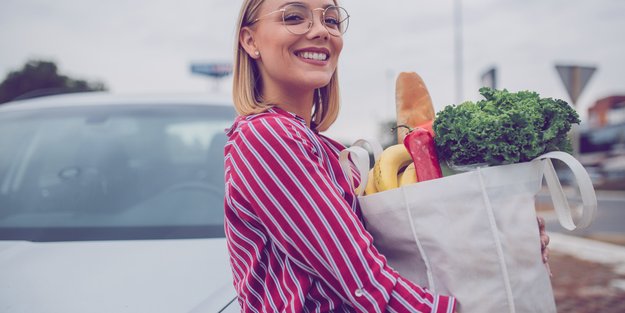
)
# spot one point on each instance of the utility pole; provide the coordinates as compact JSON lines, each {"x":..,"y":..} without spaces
{"x":458,"y":50}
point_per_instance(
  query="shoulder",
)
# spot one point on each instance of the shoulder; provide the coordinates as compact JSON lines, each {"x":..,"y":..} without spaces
{"x":332,"y":143}
{"x":272,"y":129}
{"x":267,"y":123}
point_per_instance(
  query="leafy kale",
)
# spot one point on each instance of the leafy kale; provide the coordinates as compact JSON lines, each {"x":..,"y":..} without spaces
{"x":503,"y":128}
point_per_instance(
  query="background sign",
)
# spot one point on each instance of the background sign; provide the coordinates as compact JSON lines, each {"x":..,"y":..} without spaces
{"x":215,"y":70}
{"x":575,"y":78}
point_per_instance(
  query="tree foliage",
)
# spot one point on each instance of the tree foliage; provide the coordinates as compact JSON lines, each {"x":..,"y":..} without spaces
{"x":40,"y":78}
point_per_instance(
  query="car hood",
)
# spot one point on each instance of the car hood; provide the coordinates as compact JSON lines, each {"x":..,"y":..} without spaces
{"x":190,"y":275}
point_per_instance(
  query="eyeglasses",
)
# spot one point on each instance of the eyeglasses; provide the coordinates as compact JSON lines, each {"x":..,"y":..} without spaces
{"x":298,"y":19}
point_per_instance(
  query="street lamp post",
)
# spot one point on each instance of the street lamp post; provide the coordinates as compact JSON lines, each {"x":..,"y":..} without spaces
{"x":458,"y":49}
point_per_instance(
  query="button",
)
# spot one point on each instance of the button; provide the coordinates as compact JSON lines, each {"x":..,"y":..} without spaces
{"x":359,"y":293}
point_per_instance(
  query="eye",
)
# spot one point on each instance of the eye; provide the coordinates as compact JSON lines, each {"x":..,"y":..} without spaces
{"x":294,"y":17}
{"x":332,"y":22}
{"x":332,"y":17}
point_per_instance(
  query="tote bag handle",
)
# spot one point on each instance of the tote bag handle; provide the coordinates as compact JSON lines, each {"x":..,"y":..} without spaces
{"x":360,"y":157}
{"x":560,"y":203}
{"x":372,"y":145}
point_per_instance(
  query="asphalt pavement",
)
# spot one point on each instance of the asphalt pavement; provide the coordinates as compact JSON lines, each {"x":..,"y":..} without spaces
{"x":609,"y":223}
{"x":588,"y":265}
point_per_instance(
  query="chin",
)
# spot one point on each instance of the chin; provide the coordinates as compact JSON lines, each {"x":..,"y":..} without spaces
{"x":317,"y":81}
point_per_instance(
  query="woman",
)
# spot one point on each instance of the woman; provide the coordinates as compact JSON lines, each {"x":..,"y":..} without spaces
{"x":294,"y":228}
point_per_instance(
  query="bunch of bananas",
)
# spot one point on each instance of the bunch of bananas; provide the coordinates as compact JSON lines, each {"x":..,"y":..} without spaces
{"x":394,"y":168}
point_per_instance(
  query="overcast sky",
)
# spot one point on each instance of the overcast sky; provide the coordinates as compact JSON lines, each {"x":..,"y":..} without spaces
{"x":144,"y":46}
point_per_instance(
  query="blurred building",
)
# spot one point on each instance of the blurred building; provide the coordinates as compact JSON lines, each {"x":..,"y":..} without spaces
{"x":602,"y":142}
{"x":607,"y":111}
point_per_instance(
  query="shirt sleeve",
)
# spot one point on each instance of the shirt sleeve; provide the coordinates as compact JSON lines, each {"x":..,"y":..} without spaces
{"x":308,"y":219}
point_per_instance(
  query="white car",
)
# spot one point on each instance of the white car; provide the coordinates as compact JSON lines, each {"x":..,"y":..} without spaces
{"x":114,"y":204}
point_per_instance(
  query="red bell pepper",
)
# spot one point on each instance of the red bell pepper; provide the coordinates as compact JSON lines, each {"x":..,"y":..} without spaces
{"x":420,"y":144}
{"x":428,"y":126}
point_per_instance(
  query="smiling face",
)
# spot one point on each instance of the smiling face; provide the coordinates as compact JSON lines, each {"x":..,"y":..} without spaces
{"x":290,"y":62}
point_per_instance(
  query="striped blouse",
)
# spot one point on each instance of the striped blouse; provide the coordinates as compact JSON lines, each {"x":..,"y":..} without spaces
{"x":294,"y":230}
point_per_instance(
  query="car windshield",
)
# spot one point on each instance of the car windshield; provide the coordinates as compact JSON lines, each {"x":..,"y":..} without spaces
{"x":112,"y":172}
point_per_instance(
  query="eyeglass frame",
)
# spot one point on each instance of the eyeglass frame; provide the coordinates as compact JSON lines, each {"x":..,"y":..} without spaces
{"x":312,"y":21}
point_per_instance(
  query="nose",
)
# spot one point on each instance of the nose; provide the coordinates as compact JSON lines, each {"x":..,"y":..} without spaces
{"x":318,"y":27}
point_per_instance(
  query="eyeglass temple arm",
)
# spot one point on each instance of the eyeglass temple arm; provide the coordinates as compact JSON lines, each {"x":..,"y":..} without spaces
{"x":272,"y":12}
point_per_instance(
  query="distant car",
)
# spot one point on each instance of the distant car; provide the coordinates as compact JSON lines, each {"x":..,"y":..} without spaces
{"x":114,"y":204}
{"x":604,"y":149}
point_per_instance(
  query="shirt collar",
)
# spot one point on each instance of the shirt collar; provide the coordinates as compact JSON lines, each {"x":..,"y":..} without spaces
{"x":277,"y":110}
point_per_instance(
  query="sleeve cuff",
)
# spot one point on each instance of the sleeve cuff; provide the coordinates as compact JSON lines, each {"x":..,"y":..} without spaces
{"x":444,"y":304}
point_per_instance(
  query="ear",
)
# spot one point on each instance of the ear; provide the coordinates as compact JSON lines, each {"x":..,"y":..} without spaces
{"x":246,"y":40}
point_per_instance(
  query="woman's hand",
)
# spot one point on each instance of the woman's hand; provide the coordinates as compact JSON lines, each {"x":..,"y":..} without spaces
{"x":544,"y":242}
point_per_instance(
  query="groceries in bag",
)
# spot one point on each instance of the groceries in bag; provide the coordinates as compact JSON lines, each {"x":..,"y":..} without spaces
{"x":420,"y":143}
{"x":386,"y":169}
{"x":413,"y":104}
{"x":487,"y":216}
{"x":401,"y":164}
{"x":503,"y":128}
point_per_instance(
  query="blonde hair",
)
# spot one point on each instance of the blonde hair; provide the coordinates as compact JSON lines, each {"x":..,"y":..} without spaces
{"x":247,"y":82}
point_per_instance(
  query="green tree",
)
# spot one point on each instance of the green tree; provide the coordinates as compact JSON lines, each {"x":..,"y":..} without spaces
{"x":39,"y":78}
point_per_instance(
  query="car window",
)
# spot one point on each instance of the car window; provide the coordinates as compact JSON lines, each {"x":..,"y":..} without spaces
{"x":116,"y":172}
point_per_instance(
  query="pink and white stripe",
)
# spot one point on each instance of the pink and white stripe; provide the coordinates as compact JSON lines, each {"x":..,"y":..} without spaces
{"x":294,"y":230}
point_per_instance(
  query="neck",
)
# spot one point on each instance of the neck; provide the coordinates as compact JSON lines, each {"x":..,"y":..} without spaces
{"x":297,"y":101}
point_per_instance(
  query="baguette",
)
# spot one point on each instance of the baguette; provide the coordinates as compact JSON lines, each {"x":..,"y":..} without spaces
{"x":413,"y":103}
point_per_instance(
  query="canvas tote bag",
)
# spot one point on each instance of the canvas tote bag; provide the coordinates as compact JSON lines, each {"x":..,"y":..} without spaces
{"x":473,"y":235}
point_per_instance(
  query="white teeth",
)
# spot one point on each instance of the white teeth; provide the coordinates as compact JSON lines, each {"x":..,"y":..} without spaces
{"x":313,"y":56}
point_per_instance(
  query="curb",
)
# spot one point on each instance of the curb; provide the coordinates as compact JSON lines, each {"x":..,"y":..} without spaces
{"x":589,"y":250}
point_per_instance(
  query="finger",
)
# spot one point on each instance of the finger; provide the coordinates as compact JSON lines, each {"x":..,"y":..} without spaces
{"x":544,"y":240}
{"x":541,"y":222}
{"x":549,"y":270}
{"x":545,"y":255}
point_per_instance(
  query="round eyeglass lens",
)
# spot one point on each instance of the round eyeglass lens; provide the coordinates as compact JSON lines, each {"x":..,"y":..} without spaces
{"x":298,"y":19}
{"x":336,"y":20}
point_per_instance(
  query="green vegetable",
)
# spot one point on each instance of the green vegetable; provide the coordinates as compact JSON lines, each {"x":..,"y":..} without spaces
{"x":503,"y":128}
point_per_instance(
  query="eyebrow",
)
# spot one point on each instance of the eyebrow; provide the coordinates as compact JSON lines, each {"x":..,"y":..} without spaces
{"x":303,"y":3}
